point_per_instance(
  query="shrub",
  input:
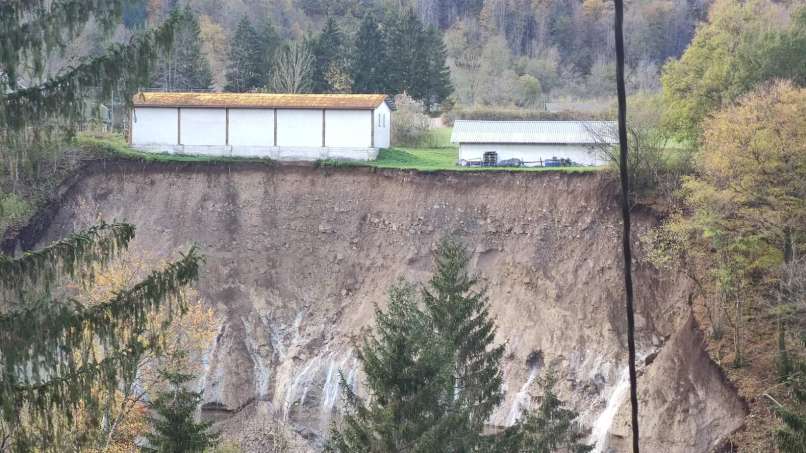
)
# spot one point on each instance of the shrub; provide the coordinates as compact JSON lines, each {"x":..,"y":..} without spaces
{"x":13,"y":209}
{"x":411,"y":124}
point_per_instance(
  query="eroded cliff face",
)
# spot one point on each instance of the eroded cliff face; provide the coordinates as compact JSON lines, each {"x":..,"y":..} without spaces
{"x":297,"y":256}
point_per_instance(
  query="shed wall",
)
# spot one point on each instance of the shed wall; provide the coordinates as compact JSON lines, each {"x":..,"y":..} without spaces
{"x":201,"y":126}
{"x":348,"y":128}
{"x":382,"y":122}
{"x":580,"y":154}
{"x":299,"y":128}
{"x":251,"y":127}
{"x":151,"y":126}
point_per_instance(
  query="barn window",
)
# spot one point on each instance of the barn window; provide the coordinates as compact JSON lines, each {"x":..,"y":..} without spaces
{"x":490,"y":158}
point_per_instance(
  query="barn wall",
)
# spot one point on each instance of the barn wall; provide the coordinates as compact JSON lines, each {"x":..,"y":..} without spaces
{"x":530,"y":153}
{"x":152,"y":126}
{"x":348,"y":128}
{"x":383,"y":126}
{"x":200,"y":126}
{"x":299,"y":128}
{"x":251,"y":132}
{"x":251,"y":127}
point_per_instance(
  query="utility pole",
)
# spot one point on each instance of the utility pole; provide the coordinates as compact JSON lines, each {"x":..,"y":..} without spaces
{"x":625,"y":214}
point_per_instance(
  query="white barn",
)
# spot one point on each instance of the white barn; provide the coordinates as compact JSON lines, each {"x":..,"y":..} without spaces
{"x":533,"y":142}
{"x":278,"y":126}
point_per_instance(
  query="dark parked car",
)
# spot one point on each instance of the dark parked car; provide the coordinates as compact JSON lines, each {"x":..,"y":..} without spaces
{"x":510,"y":163}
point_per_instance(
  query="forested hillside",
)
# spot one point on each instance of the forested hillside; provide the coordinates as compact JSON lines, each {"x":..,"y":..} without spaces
{"x":499,"y":52}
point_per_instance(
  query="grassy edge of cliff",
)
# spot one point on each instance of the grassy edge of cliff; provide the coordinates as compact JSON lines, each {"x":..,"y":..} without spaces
{"x":428,"y":159}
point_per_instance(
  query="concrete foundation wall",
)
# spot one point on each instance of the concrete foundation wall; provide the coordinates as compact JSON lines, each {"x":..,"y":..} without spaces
{"x":579,"y":154}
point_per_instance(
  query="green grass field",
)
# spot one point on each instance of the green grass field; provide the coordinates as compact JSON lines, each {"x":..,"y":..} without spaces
{"x":116,"y":146}
{"x":444,"y":159}
{"x":439,"y":156}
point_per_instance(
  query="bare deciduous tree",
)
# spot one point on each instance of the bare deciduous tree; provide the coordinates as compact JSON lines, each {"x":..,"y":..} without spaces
{"x":292,"y":69}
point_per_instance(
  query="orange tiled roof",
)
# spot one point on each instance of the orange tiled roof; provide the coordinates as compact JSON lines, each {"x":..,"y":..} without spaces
{"x":260,"y":100}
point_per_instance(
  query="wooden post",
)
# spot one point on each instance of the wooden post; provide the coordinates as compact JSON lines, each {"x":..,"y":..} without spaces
{"x":179,"y":125}
{"x":275,"y":127}
{"x":372,"y":128}
{"x":226,"y":127}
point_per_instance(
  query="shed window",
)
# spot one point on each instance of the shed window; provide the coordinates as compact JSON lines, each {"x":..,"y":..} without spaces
{"x":490,"y":158}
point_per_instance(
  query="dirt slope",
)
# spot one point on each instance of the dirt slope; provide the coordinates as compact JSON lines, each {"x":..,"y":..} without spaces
{"x":297,"y":256}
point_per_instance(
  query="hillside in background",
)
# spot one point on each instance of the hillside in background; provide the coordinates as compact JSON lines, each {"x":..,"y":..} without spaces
{"x":500,"y":52}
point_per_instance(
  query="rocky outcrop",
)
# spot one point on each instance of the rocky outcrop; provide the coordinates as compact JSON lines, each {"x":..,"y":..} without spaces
{"x":297,"y":256}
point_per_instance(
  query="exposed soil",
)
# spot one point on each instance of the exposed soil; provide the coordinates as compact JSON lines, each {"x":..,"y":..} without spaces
{"x":298,"y":256}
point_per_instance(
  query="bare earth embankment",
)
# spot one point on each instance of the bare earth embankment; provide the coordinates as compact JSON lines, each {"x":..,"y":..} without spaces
{"x":297,"y":256}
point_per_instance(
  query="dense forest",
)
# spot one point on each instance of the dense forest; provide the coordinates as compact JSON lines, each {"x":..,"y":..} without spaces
{"x":498,"y":52}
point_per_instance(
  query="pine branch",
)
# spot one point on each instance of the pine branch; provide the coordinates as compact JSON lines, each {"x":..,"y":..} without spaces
{"x":64,"y":324}
{"x":122,"y":65}
{"x":48,"y":351}
{"x":28,"y":28}
{"x":72,"y":256}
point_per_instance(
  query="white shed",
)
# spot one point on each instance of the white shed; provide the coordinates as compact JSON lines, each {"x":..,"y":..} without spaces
{"x":279,"y":126}
{"x":535,"y":143}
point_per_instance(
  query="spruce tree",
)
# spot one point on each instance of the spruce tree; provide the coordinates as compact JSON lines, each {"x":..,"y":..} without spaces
{"x":328,"y":54}
{"x":438,"y":84}
{"x":433,"y":376}
{"x":459,"y":311}
{"x":368,"y":64}
{"x":552,"y":427}
{"x":246,"y":70}
{"x":174,"y":429}
{"x":408,"y":380}
{"x":415,"y":59}
{"x":185,"y":68}
{"x":269,"y":45}
{"x":404,"y":34}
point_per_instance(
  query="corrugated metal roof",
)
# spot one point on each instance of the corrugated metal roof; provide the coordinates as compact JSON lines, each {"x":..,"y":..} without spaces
{"x":570,"y":132}
{"x":260,"y":100}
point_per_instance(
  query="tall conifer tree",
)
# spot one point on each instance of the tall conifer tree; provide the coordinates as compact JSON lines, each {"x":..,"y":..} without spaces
{"x":329,"y":57}
{"x":368,"y":64}
{"x":185,"y":68}
{"x":459,"y":311}
{"x":247,"y":59}
{"x":438,"y":85}
{"x":408,"y":380}
{"x":270,"y":44}
{"x":175,"y":429}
